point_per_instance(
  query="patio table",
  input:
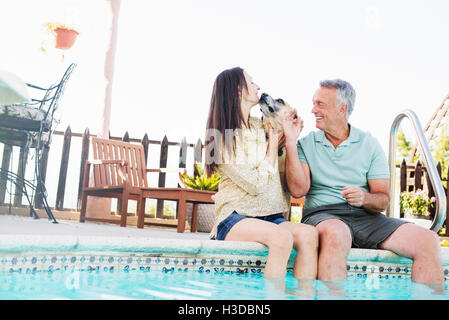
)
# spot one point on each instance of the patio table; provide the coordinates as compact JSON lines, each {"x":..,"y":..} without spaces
{"x":182,"y":195}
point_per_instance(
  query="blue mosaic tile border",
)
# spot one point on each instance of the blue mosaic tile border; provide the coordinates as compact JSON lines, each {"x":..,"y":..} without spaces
{"x":89,"y":262}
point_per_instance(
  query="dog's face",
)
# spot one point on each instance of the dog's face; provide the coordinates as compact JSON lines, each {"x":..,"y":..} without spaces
{"x":269,"y":106}
{"x":273,"y":110}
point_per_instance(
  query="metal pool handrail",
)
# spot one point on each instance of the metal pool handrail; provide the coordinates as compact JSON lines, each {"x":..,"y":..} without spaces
{"x":440,"y":208}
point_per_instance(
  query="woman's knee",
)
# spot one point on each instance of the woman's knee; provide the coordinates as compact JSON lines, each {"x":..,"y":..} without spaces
{"x":305,"y":235}
{"x":280,"y":239}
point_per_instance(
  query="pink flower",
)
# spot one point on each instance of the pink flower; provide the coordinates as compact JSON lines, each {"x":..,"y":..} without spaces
{"x":433,"y":199}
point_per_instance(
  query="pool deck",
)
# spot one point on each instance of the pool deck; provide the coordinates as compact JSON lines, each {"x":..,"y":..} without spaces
{"x":13,"y":225}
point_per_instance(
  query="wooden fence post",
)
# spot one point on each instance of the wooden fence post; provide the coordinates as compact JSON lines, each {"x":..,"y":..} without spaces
{"x":431,"y":192}
{"x":145,"y":143}
{"x":84,"y":157}
{"x":403,"y":182}
{"x":197,"y":156}
{"x":7,"y":150}
{"x":418,"y":176}
{"x":161,"y":182}
{"x":63,"y":169}
{"x":182,"y":155}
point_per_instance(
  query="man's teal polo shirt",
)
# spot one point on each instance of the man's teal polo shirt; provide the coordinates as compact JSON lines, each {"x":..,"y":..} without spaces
{"x":355,"y":161}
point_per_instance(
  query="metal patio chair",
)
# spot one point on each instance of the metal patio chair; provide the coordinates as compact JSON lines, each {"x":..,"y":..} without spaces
{"x":30,"y":125}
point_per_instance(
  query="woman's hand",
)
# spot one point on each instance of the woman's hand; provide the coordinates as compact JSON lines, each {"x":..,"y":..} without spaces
{"x":292,"y":125}
{"x":273,"y":144}
{"x":273,"y":137}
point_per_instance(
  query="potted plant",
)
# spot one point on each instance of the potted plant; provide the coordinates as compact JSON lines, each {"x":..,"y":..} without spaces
{"x":415,"y":204}
{"x":65,"y":35}
{"x":206,"y":211}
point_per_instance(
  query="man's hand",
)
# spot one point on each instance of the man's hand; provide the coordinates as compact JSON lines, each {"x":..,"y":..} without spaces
{"x":292,"y":125}
{"x":354,"y":195}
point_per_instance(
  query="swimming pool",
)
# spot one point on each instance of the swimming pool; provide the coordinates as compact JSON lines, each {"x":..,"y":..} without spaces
{"x":71,"y":267}
{"x":187,"y":285}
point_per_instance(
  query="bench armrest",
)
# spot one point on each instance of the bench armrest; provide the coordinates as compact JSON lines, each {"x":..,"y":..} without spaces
{"x":165,"y":170}
{"x":122,"y":163}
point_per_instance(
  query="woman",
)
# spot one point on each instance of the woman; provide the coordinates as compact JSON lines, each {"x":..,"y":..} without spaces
{"x":251,"y":201}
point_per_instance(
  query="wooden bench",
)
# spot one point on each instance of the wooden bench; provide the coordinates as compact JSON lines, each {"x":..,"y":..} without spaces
{"x":118,"y":172}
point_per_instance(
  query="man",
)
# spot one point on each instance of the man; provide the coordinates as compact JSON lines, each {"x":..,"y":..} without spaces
{"x":343,"y":173}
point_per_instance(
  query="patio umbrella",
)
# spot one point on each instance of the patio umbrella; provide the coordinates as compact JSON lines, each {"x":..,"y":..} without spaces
{"x":12,"y":89}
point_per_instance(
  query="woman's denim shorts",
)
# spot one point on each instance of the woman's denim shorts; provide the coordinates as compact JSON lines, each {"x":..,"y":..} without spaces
{"x":225,"y":226}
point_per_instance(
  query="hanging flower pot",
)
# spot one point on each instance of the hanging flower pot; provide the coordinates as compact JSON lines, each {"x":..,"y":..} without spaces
{"x":65,"y":38}
{"x":64,"y":35}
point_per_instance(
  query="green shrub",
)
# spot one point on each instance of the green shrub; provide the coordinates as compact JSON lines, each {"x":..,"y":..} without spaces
{"x":416,"y":203}
{"x":201,"y":181}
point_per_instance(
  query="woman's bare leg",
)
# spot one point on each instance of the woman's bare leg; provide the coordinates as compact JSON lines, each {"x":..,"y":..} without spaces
{"x":278,"y":240}
{"x":305,"y":240}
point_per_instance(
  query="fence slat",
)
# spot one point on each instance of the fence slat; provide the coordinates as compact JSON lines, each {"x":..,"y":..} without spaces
{"x":418,"y":176}
{"x":403,"y":179}
{"x":197,"y":156}
{"x":145,"y":143}
{"x":63,"y":169}
{"x":431,"y":192}
{"x":84,"y":157}
{"x":182,"y":155}
{"x":161,"y":182}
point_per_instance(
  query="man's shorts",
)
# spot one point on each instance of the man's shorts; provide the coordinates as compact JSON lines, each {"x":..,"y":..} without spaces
{"x":368,"y":230}
{"x":225,"y":226}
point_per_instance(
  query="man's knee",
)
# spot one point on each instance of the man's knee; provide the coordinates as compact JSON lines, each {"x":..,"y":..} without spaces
{"x":334,"y":233}
{"x":428,"y":242}
{"x":413,"y":241}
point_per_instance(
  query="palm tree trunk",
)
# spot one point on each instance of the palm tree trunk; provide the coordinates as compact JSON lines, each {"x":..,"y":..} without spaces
{"x":114,"y":7}
{"x":101,"y":207}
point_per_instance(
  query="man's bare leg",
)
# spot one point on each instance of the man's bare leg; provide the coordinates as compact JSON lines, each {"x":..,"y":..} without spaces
{"x":421,"y":245}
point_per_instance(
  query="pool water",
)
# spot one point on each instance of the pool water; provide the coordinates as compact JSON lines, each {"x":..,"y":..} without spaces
{"x":186,"y":285}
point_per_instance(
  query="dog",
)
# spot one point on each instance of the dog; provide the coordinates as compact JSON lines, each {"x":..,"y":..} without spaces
{"x":274,"y":110}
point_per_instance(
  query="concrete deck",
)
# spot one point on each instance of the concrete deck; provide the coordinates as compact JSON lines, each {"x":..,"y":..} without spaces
{"x":14,"y":225}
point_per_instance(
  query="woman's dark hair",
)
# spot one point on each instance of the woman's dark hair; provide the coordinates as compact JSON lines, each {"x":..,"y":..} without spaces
{"x":224,"y":113}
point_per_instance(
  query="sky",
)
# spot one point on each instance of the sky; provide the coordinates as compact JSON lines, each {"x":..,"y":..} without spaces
{"x":169,"y":53}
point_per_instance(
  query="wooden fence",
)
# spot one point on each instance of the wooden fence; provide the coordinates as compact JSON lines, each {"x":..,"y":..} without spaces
{"x":68,"y":135}
{"x":414,"y":176}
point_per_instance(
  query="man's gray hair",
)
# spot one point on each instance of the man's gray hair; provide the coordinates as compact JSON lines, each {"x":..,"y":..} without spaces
{"x":345,"y":93}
